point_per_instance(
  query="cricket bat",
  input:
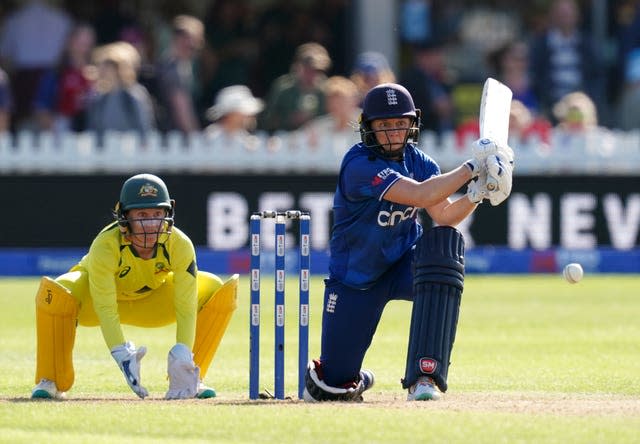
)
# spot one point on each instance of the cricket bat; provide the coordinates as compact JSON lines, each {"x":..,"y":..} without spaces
{"x":495,"y":108}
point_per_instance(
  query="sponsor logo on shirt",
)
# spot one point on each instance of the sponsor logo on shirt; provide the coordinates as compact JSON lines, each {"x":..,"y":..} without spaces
{"x":393,"y":218}
{"x":125,"y":271}
{"x":381,"y":176}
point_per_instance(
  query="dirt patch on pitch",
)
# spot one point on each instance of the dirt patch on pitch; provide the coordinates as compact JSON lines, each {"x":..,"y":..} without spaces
{"x":561,"y":404}
{"x":530,"y":403}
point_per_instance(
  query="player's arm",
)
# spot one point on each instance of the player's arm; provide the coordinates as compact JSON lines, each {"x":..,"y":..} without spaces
{"x":431,"y":192}
{"x":186,"y":293}
{"x":101,"y":268}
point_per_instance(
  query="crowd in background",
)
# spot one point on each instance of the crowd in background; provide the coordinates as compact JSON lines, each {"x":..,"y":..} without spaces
{"x":284,"y":67}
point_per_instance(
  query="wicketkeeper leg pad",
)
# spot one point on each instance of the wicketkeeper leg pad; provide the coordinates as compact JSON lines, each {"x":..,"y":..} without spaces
{"x":56,"y":319}
{"x":212,"y":322}
{"x":438,"y":284}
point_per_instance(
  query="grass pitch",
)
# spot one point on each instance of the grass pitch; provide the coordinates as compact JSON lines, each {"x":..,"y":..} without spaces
{"x":536,"y":360}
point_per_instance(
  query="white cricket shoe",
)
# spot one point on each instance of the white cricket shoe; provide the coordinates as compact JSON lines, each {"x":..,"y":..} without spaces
{"x":423,"y":390}
{"x":46,"y":389}
{"x":205,"y":392}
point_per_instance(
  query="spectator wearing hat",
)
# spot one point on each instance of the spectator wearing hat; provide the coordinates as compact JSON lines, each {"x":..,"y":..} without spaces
{"x":297,"y":97}
{"x":234,"y":111}
{"x":371,"y":69}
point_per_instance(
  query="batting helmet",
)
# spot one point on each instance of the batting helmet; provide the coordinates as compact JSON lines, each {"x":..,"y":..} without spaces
{"x":388,"y":101}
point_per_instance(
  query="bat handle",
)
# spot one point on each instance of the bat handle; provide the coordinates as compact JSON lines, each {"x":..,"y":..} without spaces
{"x":492,"y":184}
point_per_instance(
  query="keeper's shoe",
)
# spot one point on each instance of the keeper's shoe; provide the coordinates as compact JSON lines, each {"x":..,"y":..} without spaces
{"x":205,"y":392}
{"x":423,"y":390}
{"x":46,"y":389}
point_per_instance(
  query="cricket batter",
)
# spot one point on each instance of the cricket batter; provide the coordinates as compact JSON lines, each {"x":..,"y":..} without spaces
{"x":380,"y":252}
{"x":140,"y":270}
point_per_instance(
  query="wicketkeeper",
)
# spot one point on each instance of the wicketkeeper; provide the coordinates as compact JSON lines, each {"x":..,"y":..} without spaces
{"x":140,"y":270}
{"x":380,"y":252}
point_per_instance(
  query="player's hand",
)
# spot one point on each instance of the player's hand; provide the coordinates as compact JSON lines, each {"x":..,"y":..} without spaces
{"x":499,"y":178}
{"x":184,"y":375}
{"x":128,"y":359}
{"x":483,"y":148}
{"x":474,"y":166}
{"x":477,"y":189}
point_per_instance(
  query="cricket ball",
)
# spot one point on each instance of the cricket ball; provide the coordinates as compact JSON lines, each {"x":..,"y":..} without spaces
{"x":573,"y":273}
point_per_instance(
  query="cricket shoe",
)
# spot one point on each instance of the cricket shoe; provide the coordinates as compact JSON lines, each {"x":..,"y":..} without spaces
{"x":368,"y":379}
{"x":423,"y":390}
{"x":205,"y":392}
{"x":46,"y":389}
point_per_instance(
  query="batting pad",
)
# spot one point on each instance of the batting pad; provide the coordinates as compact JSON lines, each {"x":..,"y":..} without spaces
{"x":212,"y":322}
{"x":438,"y":284}
{"x":56,"y":317}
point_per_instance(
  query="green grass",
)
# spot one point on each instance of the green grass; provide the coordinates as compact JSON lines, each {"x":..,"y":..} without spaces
{"x":535,"y":360}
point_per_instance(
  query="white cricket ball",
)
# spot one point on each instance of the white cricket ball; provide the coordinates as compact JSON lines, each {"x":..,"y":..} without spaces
{"x":573,"y":273}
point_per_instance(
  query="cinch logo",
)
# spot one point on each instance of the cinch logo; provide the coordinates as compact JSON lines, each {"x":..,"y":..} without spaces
{"x":387,"y":219}
{"x":392,"y":99}
{"x":331,"y":303}
{"x":428,"y":366}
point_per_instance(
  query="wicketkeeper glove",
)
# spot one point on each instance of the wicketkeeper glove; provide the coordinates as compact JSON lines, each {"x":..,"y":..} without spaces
{"x":184,"y":375}
{"x":128,"y":359}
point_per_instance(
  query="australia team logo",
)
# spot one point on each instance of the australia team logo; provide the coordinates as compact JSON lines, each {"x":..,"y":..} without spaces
{"x":148,"y":190}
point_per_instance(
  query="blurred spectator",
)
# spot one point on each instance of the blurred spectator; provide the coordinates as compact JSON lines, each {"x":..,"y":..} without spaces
{"x":371,"y":69}
{"x":426,"y":80}
{"x":629,"y":105}
{"x":113,"y":19}
{"x":63,"y":92}
{"x":176,"y":79}
{"x":6,"y":102}
{"x":33,"y":37}
{"x":122,"y":104}
{"x":526,"y":127}
{"x":510,"y":64}
{"x":575,"y":113}
{"x":297,"y":97}
{"x":276,"y":45}
{"x":564,"y":59}
{"x":340,"y":125}
{"x":231,"y":47}
{"x":234,"y":116}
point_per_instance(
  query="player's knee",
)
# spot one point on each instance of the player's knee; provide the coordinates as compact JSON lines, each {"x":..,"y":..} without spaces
{"x":316,"y":390}
{"x":439,"y":257}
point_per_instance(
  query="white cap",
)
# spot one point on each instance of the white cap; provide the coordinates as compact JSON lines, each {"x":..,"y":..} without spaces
{"x":236,"y":98}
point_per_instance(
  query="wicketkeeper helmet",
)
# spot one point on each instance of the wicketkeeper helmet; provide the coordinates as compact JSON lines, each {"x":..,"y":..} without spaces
{"x":144,"y":191}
